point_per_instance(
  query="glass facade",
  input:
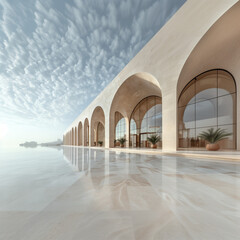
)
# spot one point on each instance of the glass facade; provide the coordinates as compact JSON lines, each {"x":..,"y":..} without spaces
{"x":100,"y":133}
{"x":208,"y":101}
{"x":146,"y":120}
{"x":120,"y":127}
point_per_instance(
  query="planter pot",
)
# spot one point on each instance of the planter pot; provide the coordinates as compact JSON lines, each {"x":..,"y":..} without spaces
{"x":212,"y":147}
{"x":121,"y":145}
{"x":154,"y":146}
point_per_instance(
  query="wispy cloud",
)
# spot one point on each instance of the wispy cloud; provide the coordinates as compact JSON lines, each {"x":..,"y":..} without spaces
{"x":56,"y":56}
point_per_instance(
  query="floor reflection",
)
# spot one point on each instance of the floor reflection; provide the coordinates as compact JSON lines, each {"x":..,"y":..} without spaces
{"x":102,"y":194}
{"x":86,"y":160}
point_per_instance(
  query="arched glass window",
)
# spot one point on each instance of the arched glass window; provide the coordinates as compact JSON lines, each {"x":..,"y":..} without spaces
{"x":120,"y":127}
{"x":146,"y":120}
{"x":208,"y":101}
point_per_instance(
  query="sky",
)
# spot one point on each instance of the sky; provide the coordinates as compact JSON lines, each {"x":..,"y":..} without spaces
{"x":56,"y":56}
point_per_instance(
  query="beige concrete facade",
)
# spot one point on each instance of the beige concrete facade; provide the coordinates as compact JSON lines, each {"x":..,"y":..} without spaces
{"x":201,"y":36}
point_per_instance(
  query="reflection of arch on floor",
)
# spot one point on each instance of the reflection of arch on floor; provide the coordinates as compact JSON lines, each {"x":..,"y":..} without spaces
{"x":86,"y":132}
{"x":129,"y":94}
{"x":207,"y":101}
{"x":80,"y":134}
{"x":97,"y":126}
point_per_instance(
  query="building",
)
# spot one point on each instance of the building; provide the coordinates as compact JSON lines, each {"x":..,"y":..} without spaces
{"x":185,"y":80}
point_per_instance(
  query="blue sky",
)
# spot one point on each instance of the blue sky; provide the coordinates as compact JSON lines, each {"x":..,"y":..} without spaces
{"x":56,"y":56}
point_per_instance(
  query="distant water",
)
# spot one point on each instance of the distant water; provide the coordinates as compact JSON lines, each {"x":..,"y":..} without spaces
{"x":32,"y":177}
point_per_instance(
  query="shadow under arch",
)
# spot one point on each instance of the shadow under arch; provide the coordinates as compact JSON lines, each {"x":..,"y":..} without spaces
{"x":86,"y":132}
{"x":80,"y":133}
{"x":72,"y":137}
{"x":129,"y":94}
{"x":76,"y":137}
{"x":97,"y":126}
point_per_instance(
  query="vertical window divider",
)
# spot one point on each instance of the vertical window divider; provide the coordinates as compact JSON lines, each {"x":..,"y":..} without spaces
{"x":195,"y":103}
{"x":217,"y":98}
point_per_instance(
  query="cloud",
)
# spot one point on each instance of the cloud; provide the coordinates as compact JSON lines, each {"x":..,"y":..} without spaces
{"x":55,"y":57}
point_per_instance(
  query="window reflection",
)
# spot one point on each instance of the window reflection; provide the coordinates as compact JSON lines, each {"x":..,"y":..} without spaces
{"x":206,"y":86}
{"x":226,"y":114}
{"x":208,"y":101}
{"x":100,"y":133}
{"x":206,"y":113}
{"x":120,"y":127}
{"x":145,"y":121}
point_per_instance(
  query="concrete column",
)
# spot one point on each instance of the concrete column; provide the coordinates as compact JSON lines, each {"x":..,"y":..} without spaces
{"x":92,"y":133}
{"x":76,"y":136}
{"x":169,"y":120}
{"x":107,"y":131}
{"x":89,"y":134}
{"x":127,"y":132}
{"x":238,"y":119}
{"x":82,"y":135}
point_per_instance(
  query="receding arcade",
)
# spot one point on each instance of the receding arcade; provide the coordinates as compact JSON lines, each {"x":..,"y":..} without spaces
{"x":180,"y":84}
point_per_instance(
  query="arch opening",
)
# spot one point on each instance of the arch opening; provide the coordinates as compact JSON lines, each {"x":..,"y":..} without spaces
{"x":80,"y":134}
{"x":98,"y":127}
{"x":86,"y":132}
{"x":207,"y":101}
{"x":145,"y":121}
{"x":132,"y":91}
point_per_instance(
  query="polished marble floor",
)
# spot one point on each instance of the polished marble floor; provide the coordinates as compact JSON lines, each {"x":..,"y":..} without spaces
{"x":92,"y":194}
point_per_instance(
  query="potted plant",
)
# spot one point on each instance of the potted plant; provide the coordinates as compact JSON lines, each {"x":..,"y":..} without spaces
{"x":122,"y":141}
{"x":154,"y":139}
{"x":213,"y":136}
{"x":115,"y":141}
{"x":100,"y":143}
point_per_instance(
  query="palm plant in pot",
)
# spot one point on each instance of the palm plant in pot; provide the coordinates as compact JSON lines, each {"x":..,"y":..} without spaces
{"x":154,"y":139}
{"x":122,"y":141}
{"x":213,"y":137}
{"x":100,"y":143}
